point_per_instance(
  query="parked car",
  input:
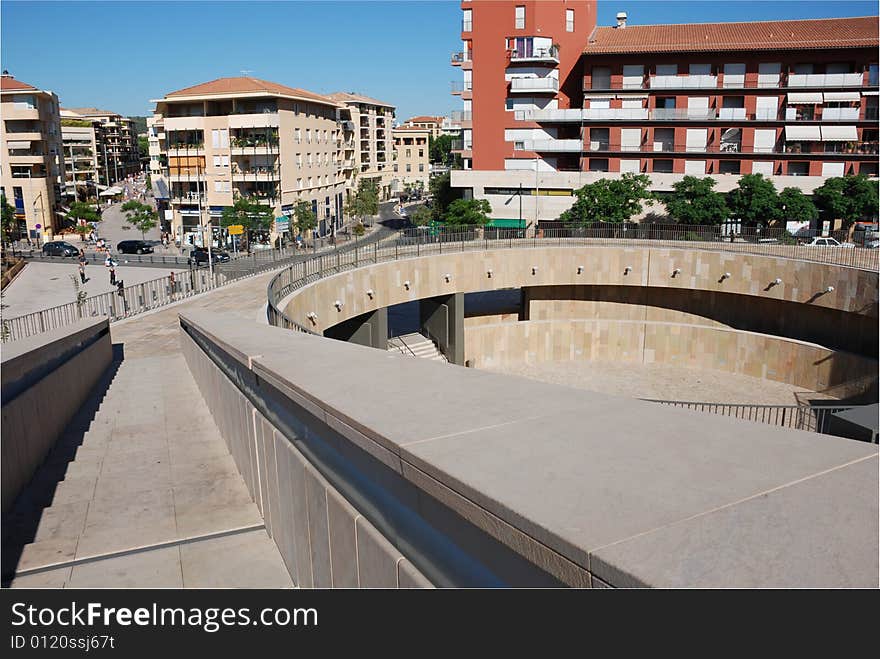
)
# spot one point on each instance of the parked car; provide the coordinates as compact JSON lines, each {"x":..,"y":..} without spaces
{"x":199,"y":256}
{"x":59,"y":248}
{"x":134,"y":247}
{"x":827,"y":242}
{"x":874,"y":243}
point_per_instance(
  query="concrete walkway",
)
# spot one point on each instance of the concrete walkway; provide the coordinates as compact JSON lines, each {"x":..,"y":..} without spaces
{"x":142,"y":491}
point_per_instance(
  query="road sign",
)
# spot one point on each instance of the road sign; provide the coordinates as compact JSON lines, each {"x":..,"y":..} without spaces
{"x":282,"y":224}
{"x":236,"y":230}
{"x":38,"y":226}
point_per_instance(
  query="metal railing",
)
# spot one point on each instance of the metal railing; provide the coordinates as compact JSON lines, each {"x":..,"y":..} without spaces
{"x":812,"y":418}
{"x":401,"y":345}
{"x":418,"y":242}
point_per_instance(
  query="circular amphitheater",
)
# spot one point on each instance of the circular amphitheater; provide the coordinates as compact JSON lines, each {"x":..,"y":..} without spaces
{"x":712,"y":323}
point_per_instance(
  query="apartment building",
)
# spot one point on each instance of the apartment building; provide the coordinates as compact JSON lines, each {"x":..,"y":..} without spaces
{"x":793,"y":100}
{"x":116,"y":145}
{"x":244,"y":137}
{"x":83,"y":167}
{"x":434,"y":125}
{"x":30,"y":141}
{"x":374,"y":147}
{"x":412,"y":163}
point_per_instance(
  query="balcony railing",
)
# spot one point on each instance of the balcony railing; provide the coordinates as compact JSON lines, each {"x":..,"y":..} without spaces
{"x":461,"y":115}
{"x":459,"y":58}
{"x":552,"y":146}
{"x":534,"y":85}
{"x":732,"y":113}
{"x":187,"y":197}
{"x":683,"y":82}
{"x":825,"y":80}
{"x":457,"y":87}
{"x":685,"y":114}
{"x":840,"y":114}
{"x":467,"y":26}
{"x":549,"y":55}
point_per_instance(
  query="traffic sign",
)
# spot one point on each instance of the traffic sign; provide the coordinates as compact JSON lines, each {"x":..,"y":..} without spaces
{"x":282,"y":224}
{"x":38,"y":226}
{"x":236,"y":230}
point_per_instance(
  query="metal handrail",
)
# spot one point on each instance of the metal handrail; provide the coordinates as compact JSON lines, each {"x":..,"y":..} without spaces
{"x":403,"y":343}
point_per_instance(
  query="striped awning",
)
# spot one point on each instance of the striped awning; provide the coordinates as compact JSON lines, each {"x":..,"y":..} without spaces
{"x":842,"y":96}
{"x":839,"y":134}
{"x":802,"y":133}
{"x":804,"y":98}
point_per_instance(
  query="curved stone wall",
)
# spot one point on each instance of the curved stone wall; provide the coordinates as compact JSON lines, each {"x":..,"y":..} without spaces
{"x":746,"y":353}
{"x":381,"y":285}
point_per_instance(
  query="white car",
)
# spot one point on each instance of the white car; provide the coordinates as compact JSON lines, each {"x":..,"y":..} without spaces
{"x":827,"y":242}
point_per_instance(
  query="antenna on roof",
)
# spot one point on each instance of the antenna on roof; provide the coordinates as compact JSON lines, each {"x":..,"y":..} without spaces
{"x":245,"y":72}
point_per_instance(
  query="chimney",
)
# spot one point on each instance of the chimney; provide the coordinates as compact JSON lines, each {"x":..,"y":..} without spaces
{"x":621,"y":20}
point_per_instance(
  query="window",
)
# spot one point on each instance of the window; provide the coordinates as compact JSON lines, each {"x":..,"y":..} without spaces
{"x":466,"y":21}
{"x":601,"y":77}
{"x":663,"y":166}
{"x":395,"y":167}
{"x":798,"y":169}
{"x":520,"y":18}
{"x":408,"y":153}
{"x":309,"y":159}
{"x":299,"y":183}
{"x":598,"y":164}
{"x":409,"y":168}
{"x":308,"y":135}
{"x":872,"y":76}
{"x":633,"y":76}
{"x":421,"y":168}
{"x":629,"y":166}
{"x":729,"y":167}
{"x":832,"y":169}
{"x":694,"y":167}
{"x":421,"y":153}
{"x":569,"y":20}
{"x":299,"y":160}
{"x":297,"y":135}
{"x":310,"y":182}
{"x":220,"y":138}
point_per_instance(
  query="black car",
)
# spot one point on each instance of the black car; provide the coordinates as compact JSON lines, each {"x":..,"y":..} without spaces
{"x":134,"y":247}
{"x":199,"y":256}
{"x":59,"y":248}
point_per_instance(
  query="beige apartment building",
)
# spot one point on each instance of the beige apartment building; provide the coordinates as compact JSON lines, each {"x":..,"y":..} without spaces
{"x":116,"y":146}
{"x":30,"y":141}
{"x":243,"y":137}
{"x":412,"y":165}
{"x":432,"y":124}
{"x":83,"y":165}
{"x":372,"y":121}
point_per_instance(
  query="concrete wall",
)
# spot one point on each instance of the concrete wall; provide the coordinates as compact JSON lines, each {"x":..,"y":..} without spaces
{"x":747,"y":353}
{"x":45,"y":380}
{"x":324,"y":541}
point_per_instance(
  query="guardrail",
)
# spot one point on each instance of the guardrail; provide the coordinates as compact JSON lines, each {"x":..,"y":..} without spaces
{"x":812,"y":418}
{"x":418,"y":242}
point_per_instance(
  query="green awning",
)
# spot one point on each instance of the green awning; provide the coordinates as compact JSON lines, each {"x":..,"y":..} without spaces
{"x":504,"y":223}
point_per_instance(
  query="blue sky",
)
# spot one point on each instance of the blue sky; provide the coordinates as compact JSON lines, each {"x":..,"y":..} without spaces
{"x":119,"y":55}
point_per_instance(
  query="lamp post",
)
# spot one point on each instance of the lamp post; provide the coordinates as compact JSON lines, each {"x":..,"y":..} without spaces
{"x":201,"y":223}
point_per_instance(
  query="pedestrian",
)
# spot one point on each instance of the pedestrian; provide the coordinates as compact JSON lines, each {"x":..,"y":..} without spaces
{"x":172,"y":283}
{"x":112,"y":274}
{"x":120,"y":291}
{"x":82,"y":272}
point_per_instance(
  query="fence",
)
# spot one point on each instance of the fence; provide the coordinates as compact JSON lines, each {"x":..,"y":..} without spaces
{"x":813,"y":418}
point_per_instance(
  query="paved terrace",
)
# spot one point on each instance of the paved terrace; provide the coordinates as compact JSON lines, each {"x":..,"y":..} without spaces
{"x":151,"y":497}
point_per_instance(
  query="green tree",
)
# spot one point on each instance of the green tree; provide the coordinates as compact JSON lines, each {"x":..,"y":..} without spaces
{"x":848,"y":198}
{"x":143,"y":146}
{"x":304,"y":218}
{"x":795,"y":206}
{"x":609,"y":200}
{"x":358,"y":229}
{"x":470,"y":212}
{"x":83,"y":212}
{"x":442,"y":194}
{"x":141,"y":216}
{"x":250,"y":214}
{"x":440,"y":150}
{"x":8,"y":224}
{"x":365,"y":201}
{"x":420,"y":215}
{"x":693,"y":201}
{"x":754,"y":201}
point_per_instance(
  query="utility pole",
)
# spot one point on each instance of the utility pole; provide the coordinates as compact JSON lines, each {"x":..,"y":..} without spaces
{"x":201,"y":223}
{"x":537,"y":196}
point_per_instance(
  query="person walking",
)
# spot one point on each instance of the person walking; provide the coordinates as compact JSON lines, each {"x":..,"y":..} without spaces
{"x":112,"y":274}
{"x":82,"y":272}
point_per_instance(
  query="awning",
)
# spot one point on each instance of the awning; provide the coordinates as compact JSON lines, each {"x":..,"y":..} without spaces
{"x":19,"y":144}
{"x":804,"y":98}
{"x":839,"y":134}
{"x":871,"y":93}
{"x":160,"y":188}
{"x":842,"y":96}
{"x":798,"y":133}
{"x":110,"y":192}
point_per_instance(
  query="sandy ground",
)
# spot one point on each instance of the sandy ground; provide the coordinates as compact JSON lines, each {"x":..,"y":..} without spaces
{"x":43,"y":285}
{"x":663,"y":381}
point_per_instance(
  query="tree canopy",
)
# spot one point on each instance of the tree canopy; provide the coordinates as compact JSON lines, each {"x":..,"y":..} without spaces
{"x":304,"y":218}
{"x":442,"y":194}
{"x":849,"y":198}
{"x":83,"y":212}
{"x":365,"y":201}
{"x":249,"y":213}
{"x":693,"y":201}
{"x":609,"y":200}
{"x":141,"y":216}
{"x":8,"y":224}
{"x":754,"y":201}
{"x":440,"y":150}
{"x":795,"y":206}
{"x":420,"y":215}
{"x":472,"y":212}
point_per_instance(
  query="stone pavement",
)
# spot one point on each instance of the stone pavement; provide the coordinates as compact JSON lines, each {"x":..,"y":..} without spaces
{"x":150,"y":496}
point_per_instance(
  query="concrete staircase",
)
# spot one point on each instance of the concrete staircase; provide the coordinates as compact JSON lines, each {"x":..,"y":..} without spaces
{"x":416,"y":345}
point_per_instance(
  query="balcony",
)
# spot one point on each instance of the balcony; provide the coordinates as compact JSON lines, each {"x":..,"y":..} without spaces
{"x":683,"y":82}
{"x":825,"y":80}
{"x":534,"y":85}
{"x":347,"y":125}
{"x":683,"y":114}
{"x":458,"y":88}
{"x":461,"y":116}
{"x":467,"y":26}
{"x":535,"y":56}
{"x":735,"y":114}
{"x":256,"y":173}
{"x":187,"y":198}
{"x":840,"y":114}
{"x":460,"y":58}
{"x":552,"y":146}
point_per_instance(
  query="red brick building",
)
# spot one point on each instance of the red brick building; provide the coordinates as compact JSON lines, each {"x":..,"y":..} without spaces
{"x":793,"y":100}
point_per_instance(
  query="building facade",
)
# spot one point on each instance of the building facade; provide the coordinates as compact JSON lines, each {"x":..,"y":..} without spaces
{"x":793,"y":100}
{"x":244,"y":137}
{"x":412,"y":163}
{"x":432,"y":124}
{"x":84,"y":169}
{"x":372,"y":121}
{"x":30,"y":141}
{"x":115,"y":138}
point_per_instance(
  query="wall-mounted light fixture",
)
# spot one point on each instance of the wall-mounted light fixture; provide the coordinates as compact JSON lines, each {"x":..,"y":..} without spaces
{"x":675,"y":272}
{"x":312,"y":316}
{"x":406,"y":284}
{"x":580,"y":269}
{"x":489,"y":273}
{"x":447,"y":277}
{"x":370,"y":293}
{"x":534,"y":269}
{"x":627,"y":270}
{"x":829,"y":289}
{"x":338,"y":305}
{"x":726,"y":275}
